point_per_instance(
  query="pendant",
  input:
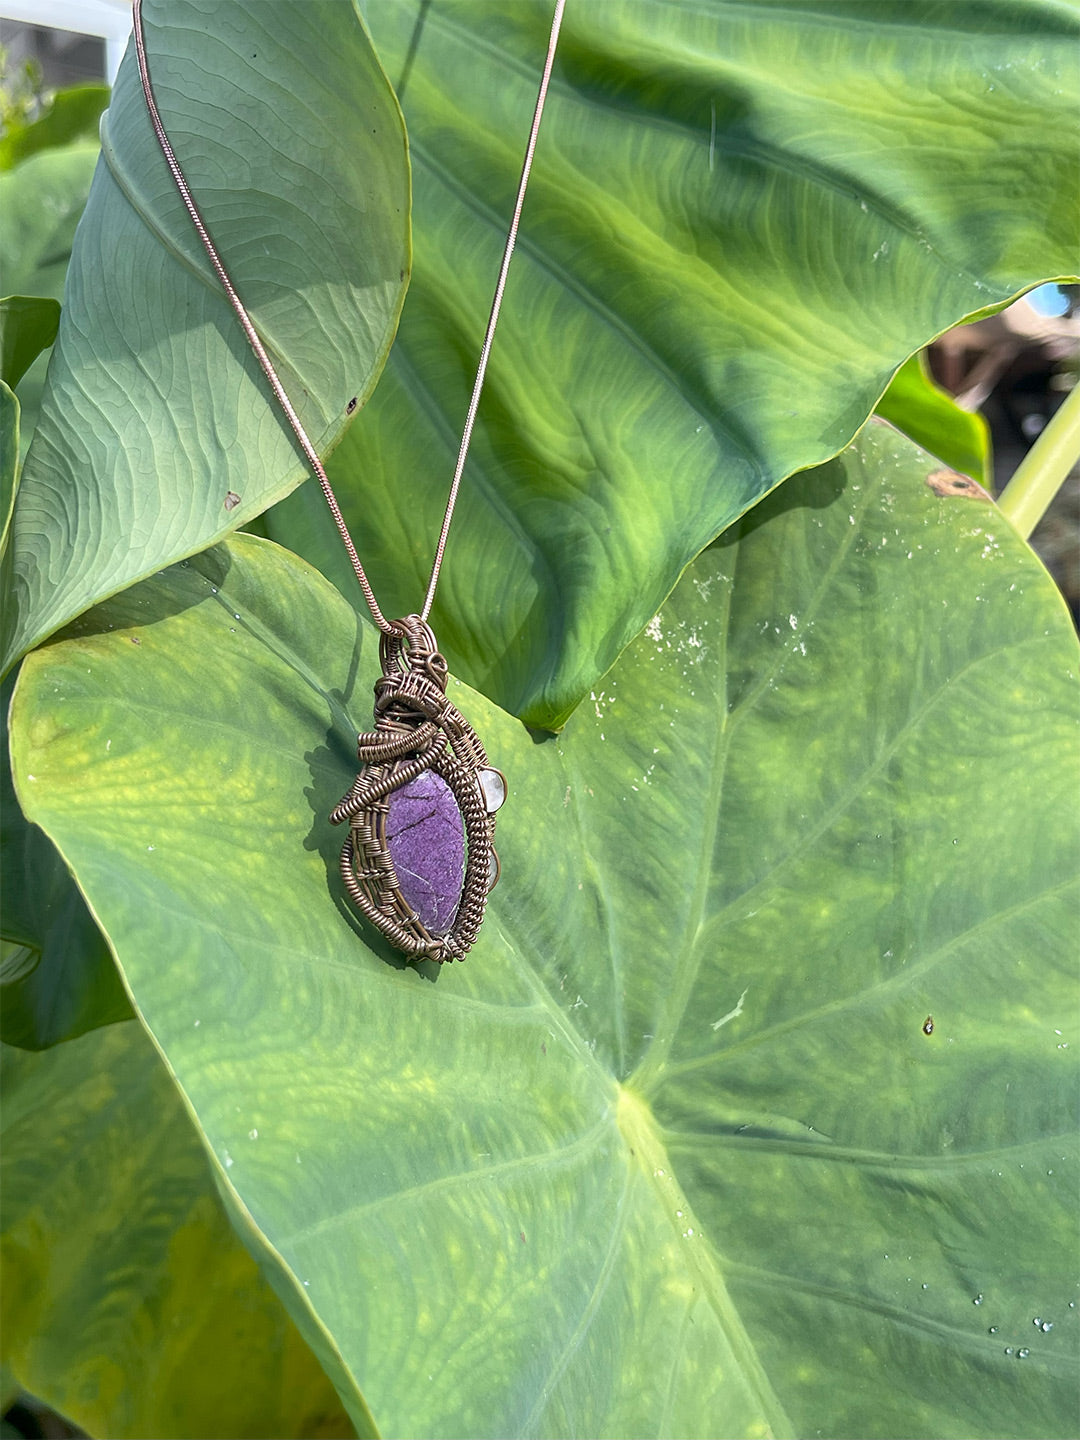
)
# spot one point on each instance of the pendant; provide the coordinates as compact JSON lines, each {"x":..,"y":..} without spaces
{"x":420,"y":860}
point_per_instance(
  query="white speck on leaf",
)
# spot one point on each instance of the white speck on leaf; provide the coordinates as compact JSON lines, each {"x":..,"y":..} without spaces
{"x":738,"y":1010}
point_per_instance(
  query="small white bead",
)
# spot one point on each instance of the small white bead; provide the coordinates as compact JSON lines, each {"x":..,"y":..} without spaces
{"x":493,"y":789}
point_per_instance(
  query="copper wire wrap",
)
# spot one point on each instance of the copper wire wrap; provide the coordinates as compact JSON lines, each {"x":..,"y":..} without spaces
{"x":416,"y":729}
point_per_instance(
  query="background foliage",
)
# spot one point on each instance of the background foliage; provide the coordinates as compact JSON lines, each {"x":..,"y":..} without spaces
{"x":90,"y":1290}
{"x":673,"y":1153}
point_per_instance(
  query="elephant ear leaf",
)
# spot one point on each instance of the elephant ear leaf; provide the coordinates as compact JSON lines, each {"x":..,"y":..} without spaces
{"x":675,"y":1152}
{"x":156,"y":416}
{"x":740,"y":222}
{"x":129,"y":1304}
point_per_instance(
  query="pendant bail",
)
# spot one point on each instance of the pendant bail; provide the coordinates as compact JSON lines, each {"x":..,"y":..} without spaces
{"x":410,"y":646}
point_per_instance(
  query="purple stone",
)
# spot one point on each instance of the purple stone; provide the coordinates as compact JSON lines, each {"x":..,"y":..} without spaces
{"x":425,"y":834}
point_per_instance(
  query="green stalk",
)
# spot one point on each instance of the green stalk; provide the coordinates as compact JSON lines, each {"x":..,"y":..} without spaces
{"x":1040,"y":474}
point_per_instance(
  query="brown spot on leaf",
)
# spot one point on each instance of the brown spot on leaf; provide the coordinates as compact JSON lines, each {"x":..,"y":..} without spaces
{"x":522,"y":1234}
{"x":232,"y":500}
{"x":951,"y":482}
{"x":928,"y":1025}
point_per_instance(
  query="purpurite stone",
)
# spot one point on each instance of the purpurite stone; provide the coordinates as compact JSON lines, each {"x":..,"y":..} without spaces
{"x":425,"y":834}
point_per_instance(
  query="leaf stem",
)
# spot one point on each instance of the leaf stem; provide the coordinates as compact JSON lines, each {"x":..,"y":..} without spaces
{"x":1040,"y":474}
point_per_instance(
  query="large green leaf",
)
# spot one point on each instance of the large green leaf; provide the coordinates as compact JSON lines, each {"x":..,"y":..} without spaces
{"x":741,"y":220}
{"x":157,"y":434}
{"x":672,"y":1153}
{"x":128,"y":1303}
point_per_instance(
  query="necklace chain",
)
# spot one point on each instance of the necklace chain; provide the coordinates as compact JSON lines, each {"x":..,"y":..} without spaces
{"x":388,"y":627}
{"x":500,"y":286}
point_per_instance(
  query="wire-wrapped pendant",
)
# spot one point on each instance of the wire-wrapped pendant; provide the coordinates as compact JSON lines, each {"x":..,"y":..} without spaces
{"x":420,"y":860}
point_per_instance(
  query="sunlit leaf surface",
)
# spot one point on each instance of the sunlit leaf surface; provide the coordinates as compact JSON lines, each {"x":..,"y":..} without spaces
{"x":672,"y":1153}
{"x":742,"y":219}
{"x":129,"y":1305}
